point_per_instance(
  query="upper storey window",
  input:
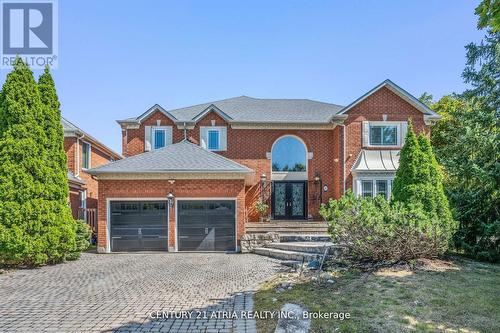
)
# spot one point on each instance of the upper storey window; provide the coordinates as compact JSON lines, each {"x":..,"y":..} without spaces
{"x":383,"y":135}
{"x":85,"y":155}
{"x":213,"y":138}
{"x":156,"y":137}
{"x":289,"y":155}
{"x":159,"y":138}
{"x":379,"y":134}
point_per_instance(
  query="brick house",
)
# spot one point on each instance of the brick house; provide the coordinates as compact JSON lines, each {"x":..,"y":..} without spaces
{"x":191,"y":176}
{"x":84,"y":152}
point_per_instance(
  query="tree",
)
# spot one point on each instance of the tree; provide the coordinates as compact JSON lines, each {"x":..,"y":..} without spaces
{"x":466,"y":141}
{"x":488,"y":12}
{"x":410,"y":168}
{"x":55,"y":137}
{"x":33,"y":230}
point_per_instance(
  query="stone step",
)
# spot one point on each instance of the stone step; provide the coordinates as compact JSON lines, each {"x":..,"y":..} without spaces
{"x":309,"y":247}
{"x":287,"y":255}
{"x":305,"y":238}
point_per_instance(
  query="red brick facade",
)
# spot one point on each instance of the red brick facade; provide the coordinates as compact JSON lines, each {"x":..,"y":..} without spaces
{"x":73,"y":149}
{"x":330,"y":159}
{"x":158,"y":189}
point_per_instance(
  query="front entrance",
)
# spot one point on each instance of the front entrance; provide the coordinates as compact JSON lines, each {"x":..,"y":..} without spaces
{"x":289,"y":200}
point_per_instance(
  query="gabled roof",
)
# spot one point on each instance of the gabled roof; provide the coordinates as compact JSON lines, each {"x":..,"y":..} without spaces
{"x":398,"y":91}
{"x":71,"y":129}
{"x":182,"y":157}
{"x":244,"y":109}
{"x":377,"y":160}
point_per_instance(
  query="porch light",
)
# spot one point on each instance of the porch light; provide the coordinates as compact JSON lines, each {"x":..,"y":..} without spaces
{"x":170,"y":199}
{"x":317,"y":178}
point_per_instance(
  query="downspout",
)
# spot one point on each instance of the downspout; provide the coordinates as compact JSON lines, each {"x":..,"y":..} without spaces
{"x":77,"y":155}
{"x":185,"y":132}
{"x":343,"y":157}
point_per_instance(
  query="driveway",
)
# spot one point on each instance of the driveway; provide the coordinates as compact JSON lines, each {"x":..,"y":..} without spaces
{"x":135,"y":293}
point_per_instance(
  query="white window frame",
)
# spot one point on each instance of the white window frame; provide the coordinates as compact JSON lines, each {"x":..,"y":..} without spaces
{"x":153,"y":139}
{"x":89,"y":154}
{"x":396,"y":124}
{"x":358,"y":187}
{"x":217,"y":130}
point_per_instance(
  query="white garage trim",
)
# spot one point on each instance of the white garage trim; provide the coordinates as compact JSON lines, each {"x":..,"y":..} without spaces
{"x":108,"y":216}
{"x":208,"y":199}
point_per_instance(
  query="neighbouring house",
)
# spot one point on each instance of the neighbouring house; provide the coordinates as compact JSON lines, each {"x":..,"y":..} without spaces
{"x":191,"y":176}
{"x":84,"y":152}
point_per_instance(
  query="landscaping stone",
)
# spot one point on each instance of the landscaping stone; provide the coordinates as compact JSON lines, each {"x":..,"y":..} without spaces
{"x":249,"y":242}
{"x":296,"y":324}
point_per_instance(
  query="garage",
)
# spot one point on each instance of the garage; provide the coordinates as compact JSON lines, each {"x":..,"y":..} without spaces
{"x":206,"y":225}
{"x":139,"y":226}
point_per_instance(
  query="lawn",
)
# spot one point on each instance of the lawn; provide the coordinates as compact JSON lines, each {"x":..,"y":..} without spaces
{"x":457,"y":295}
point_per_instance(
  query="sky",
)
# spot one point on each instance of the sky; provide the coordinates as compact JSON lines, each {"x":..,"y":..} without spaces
{"x":118,"y":58}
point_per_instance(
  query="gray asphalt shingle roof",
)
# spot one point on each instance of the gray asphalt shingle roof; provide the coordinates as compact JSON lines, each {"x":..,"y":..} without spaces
{"x":179,"y":157}
{"x":74,"y":179}
{"x":248,"y":109}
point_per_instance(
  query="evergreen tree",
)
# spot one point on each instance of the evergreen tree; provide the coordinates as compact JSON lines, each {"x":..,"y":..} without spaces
{"x":55,"y":136}
{"x":410,"y":167}
{"x":33,"y":227}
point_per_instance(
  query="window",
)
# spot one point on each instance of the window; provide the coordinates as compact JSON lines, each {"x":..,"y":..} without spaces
{"x":367,"y":188}
{"x":384,"y":135}
{"x":213,"y":140}
{"x":382,"y":188}
{"x":159,"y":138}
{"x":289,"y":155}
{"x":85,"y":155}
{"x":83,"y":199}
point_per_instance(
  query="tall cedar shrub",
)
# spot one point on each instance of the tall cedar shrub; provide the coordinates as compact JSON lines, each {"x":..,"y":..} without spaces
{"x":34,"y":229}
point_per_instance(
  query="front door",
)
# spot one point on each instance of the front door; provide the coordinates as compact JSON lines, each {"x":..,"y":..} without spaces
{"x":289,"y":200}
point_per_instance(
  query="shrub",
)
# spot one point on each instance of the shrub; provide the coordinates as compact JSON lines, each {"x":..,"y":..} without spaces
{"x":374,"y":229}
{"x":83,"y":234}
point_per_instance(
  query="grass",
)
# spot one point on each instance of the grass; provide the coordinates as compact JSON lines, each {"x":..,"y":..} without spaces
{"x":454,"y":296}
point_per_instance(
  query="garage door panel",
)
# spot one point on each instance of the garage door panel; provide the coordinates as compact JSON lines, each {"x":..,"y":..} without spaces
{"x":139,"y":226}
{"x":206,"y":225}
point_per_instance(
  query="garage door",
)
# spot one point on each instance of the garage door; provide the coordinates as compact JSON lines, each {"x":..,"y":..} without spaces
{"x":139,"y":226}
{"x":207,"y":225}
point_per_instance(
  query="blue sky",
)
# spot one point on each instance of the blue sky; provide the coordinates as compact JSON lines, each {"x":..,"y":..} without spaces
{"x":118,"y":58}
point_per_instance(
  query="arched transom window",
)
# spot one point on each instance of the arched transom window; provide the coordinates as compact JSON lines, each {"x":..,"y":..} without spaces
{"x":289,"y":155}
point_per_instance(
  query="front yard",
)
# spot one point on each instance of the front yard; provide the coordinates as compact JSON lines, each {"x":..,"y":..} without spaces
{"x":458,"y":295}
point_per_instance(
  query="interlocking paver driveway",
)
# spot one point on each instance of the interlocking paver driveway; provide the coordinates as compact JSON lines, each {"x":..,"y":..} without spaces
{"x":119,"y":292}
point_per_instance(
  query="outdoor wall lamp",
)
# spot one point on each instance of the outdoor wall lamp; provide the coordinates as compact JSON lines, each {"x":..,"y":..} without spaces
{"x":317,"y":178}
{"x":170,"y":199}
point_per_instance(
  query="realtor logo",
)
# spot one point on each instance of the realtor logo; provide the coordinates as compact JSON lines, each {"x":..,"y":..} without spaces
{"x":29,"y":30}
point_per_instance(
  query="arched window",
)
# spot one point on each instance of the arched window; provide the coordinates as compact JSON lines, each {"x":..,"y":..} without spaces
{"x":289,"y":155}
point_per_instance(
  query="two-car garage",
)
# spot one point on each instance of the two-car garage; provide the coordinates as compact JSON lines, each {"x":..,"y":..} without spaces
{"x":201,"y":225}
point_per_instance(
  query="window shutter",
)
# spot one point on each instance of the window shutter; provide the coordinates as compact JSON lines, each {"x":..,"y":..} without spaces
{"x":147,"y":138}
{"x":404,"y":129}
{"x":203,"y":137}
{"x":168,"y":135}
{"x":366,"y":133}
{"x":223,"y":138}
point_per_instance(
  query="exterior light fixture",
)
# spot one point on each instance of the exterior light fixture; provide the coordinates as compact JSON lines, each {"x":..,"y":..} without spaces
{"x":317,"y":178}
{"x":170,"y":199}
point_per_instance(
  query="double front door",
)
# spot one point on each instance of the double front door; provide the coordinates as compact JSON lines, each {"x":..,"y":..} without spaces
{"x":289,"y":200}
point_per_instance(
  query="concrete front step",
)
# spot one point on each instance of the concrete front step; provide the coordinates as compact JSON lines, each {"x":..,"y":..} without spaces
{"x":287,"y":255}
{"x":302,"y":228}
{"x":309,"y":247}
{"x":305,"y":238}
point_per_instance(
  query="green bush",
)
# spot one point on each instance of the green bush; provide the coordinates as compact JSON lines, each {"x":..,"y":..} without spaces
{"x":376,"y":230}
{"x":83,"y":234}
